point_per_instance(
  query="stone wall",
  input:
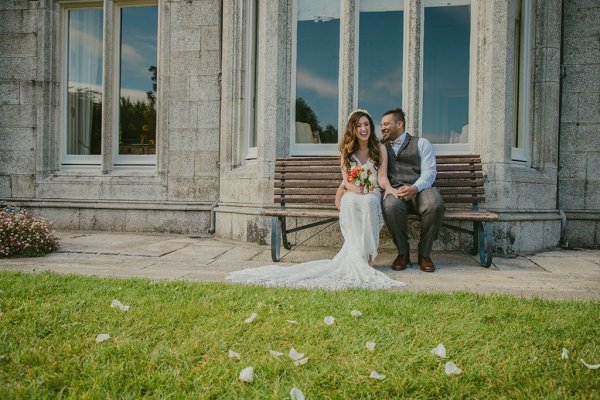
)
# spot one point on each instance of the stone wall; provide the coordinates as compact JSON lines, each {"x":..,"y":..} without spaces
{"x":579,"y":177}
{"x":175,"y":195}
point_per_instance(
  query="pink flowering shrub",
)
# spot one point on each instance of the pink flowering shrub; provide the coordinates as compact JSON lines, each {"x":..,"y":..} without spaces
{"x":23,"y":233}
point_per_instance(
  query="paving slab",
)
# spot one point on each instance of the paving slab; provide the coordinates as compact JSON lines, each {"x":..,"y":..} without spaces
{"x":556,"y":274}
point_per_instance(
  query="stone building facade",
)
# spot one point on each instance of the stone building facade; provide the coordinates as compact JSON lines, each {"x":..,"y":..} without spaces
{"x":224,"y":105}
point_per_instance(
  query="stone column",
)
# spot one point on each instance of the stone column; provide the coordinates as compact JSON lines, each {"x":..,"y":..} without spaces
{"x":109,"y":66}
{"x":348,"y":75}
{"x":412,"y":66}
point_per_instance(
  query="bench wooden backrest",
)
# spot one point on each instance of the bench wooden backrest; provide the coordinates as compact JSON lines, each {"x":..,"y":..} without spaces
{"x":314,"y":180}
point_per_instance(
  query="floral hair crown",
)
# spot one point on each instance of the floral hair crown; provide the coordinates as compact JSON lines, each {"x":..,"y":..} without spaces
{"x":358,"y":110}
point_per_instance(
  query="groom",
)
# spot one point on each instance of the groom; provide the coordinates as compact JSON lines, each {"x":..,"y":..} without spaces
{"x":411,"y":171}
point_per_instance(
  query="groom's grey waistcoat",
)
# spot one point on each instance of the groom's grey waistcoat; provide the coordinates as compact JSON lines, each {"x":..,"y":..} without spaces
{"x":404,"y":168}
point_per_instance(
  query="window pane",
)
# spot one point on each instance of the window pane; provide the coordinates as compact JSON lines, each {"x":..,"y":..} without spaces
{"x":317,"y":65}
{"x":137,"y":90}
{"x":381,"y":35}
{"x":84,"y":76}
{"x":446,"y":74}
{"x":251,"y":60}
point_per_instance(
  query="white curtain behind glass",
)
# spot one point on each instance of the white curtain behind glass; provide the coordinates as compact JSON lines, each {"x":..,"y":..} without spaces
{"x":84,"y":77}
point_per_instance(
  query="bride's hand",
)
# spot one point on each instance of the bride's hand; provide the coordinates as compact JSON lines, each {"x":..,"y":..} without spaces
{"x":358,"y":189}
{"x":390,"y":191}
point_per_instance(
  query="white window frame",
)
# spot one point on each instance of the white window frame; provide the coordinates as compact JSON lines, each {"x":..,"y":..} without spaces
{"x":250,"y":78}
{"x":522,"y":154}
{"x":94,"y":161}
{"x":72,"y":159}
{"x":449,"y":148}
{"x":127,"y":159}
{"x":308,"y":149}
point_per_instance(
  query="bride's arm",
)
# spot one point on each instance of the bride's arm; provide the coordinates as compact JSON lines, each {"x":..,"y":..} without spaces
{"x":382,"y":177}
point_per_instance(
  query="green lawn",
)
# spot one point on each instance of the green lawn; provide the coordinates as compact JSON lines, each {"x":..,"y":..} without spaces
{"x":174,"y":342}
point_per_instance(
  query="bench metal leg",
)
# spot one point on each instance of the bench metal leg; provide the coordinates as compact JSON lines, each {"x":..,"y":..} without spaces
{"x":485,"y":244}
{"x":275,"y":239}
{"x":284,"y":232}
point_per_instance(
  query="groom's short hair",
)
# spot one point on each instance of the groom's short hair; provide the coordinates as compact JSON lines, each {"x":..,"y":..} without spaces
{"x":398,"y":115}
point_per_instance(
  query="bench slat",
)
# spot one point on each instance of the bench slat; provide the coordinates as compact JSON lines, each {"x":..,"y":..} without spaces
{"x":450,"y":215}
{"x":296,"y":176}
{"x":308,"y":184}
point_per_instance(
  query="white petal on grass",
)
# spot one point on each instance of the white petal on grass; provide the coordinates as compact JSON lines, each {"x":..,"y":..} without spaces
{"x":294,"y":355}
{"x":565,"y":354}
{"x":247,"y":375}
{"x":102,"y":337}
{"x":452,"y":369}
{"x":251,"y":318}
{"x":439,"y":351}
{"x":328,"y":320}
{"x":291,"y":321}
{"x":233,"y":354}
{"x":275,"y":353}
{"x":590,"y":366}
{"x":296,"y":394}
{"x":302,"y":361}
{"x":371,"y":346}
{"x":355,"y":313}
{"x":119,"y":305}
{"x":377,"y":376}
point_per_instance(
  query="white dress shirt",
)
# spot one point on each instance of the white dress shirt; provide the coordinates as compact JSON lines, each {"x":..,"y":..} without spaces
{"x":428,"y":168}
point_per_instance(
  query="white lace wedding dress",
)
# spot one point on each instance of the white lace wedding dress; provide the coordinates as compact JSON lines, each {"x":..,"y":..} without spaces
{"x":360,"y":222}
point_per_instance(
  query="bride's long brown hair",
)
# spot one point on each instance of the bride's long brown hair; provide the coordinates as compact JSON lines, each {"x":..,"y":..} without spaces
{"x":349,"y":144}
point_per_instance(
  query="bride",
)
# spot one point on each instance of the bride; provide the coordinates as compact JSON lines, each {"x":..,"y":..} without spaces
{"x":360,"y":222}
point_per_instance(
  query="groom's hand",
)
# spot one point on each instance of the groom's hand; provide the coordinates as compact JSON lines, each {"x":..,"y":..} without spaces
{"x":407,"y":192}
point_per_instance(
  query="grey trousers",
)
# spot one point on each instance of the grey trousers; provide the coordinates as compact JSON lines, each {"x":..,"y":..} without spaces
{"x":429,"y":205}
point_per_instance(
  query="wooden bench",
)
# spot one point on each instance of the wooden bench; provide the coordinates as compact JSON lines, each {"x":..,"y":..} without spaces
{"x":306,"y":187}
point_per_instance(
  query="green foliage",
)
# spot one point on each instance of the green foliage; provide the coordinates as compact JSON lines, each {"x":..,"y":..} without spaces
{"x":174,"y":341}
{"x":23,"y":233}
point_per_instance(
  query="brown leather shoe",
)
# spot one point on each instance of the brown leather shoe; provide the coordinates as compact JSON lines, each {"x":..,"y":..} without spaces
{"x":426,"y":264}
{"x":401,"y":262}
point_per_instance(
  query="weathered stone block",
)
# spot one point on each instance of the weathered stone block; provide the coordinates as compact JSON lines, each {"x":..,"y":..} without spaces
{"x":578,"y":78}
{"x":18,"y":45}
{"x":17,"y":68}
{"x":207,"y":188}
{"x":571,"y":196}
{"x":209,"y":114}
{"x":13,"y":115}
{"x":181,"y":164}
{"x":5,"y":190}
{"x":581,"y":50}
{"x":579,"y":22}
{"x":569,"y":107}
{"x":573,"y":165}
{"x":206,"y":164}
{"x":589,"y":106}
{"x":208,"y":139}
{"x":167,"y":221}
{"x":210,"y":37}
{"x":17,"y":162}
{"x":182,"y":189}
{"x":178,"y":88}
{"x":9,"y":93}
{"x":581,"y":233}
{"x":77,"y":189}
{"x":579,"y":137}
{"x":592,"y":195}
{"x":22,"y":139}
{"x":184,"y":140}
{"x":185,"y":39}
{"x":140,"y":190}
{"x":205,"y":87}
{"x":184,"y":63}
{"x":61,"y":218}
{"x":102,"y":220}
{"x":593,"y":166}
{"x":23,"y":186}
{"x":210,"y":62}
{"x":17,"y":19}
{"x":183,"y":114}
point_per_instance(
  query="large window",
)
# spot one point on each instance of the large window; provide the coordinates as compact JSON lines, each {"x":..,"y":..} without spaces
{"x":84,"y":83}
{"x":249,"y":98}
{"x":132,"y":62}
{"x":521,"y":81}
{"x":316,"y":69}
{"x":445,"y":82}
{"x":380,"y":38}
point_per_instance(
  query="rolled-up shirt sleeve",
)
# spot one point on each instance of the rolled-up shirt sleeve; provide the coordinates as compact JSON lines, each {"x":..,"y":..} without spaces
{"x":428,"y":165}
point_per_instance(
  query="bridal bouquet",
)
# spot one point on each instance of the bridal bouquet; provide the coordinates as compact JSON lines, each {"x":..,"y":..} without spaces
{"x":361,"y":176}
